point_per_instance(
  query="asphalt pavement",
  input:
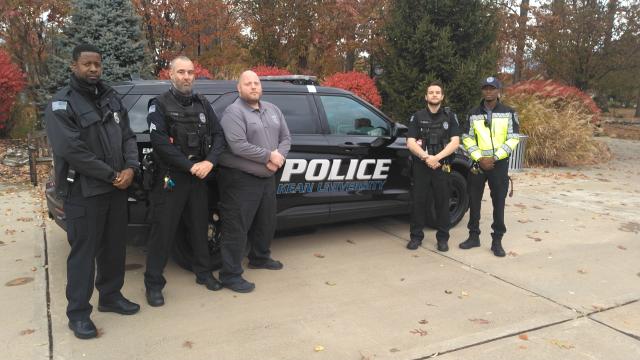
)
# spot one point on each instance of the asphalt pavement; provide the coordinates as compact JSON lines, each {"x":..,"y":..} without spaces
{"x":568,"y":288}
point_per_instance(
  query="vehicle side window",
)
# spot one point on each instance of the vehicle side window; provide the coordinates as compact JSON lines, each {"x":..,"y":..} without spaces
{"x":138,"y":114}
{"x":220,"y":104}
{"x":349,"y":117}
{"x":298,"y":110}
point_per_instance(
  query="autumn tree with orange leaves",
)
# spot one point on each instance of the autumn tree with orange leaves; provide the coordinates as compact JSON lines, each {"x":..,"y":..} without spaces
{"x":204,"y":30}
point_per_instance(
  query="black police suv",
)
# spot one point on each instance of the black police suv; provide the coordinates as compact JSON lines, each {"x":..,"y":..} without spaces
{"x":348,"y":160}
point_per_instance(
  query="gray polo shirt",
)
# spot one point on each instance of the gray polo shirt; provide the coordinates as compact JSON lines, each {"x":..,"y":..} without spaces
{"x":252,"y":134}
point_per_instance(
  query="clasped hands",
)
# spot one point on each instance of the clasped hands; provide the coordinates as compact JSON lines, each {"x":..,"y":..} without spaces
{"x":431,"y":161}
{"x":123,"y":179}
{"x":276,"y":160}
{"x":486,"y":163}
{"x":201,"y":169}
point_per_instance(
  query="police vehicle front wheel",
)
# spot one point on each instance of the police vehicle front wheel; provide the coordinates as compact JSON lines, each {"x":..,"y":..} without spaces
{"x":459,"y":200}
{"x":182,"y":252}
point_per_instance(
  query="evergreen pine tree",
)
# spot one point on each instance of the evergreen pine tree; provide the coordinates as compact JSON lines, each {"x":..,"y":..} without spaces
{"x":447,"y":40}
{"x":114,"y":28}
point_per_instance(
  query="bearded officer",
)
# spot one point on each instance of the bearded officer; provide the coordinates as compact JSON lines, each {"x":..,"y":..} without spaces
{"x":187,"y":140}
{"x":432,"y":138}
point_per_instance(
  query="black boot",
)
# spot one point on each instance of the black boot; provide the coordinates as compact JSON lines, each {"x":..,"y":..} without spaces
{"x":472,"y":241}
{"x":496,"y":247}
{"x":443,"y":246}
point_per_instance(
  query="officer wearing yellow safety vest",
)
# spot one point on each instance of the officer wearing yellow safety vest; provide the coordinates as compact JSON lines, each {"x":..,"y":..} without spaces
{"x":491,"y":137}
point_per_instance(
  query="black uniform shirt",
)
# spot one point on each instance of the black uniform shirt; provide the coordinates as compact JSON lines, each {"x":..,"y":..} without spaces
{"x":169,"y":153}
{"x":88,"y":129}
{"x":452,"y":128}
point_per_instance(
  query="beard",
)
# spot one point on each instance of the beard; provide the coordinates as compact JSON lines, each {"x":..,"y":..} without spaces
{"x":434,"y":103}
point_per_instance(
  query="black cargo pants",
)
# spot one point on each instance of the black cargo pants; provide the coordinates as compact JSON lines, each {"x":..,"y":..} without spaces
{"x":498,"y":179}
{"x":248,"y":214}
{"x":187,"y":200}
{"x":436,"y":181}
{"x":96,"y":231}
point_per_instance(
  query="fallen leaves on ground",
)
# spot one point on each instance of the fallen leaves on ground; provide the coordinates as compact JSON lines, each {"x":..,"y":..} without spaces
{"x":631,"y":226}
{"x":582,"y":271}
{"x":423,"y":322}
{"x":2,"y":243}
{"x":534,"y":238}
{"x":622,"y":247}
{"x":9,"y":232}
{"x":25,"y":219}
{"x":27,"y":332}
{"x":524,"y":221}
{"x":521,"y":206}
{"x":319,"y":256}
{"x":330,"y":283}
{"x":561,"y":344}
{"x":448,"y":292}
{"x":512,"y":253}
{"x":394,"y":350}
{"x":318,"y":348}
{"x":523,"y":337}
{"x":351,"y":241}
{"x":479,"y":321}
{"x":420,"y":332}
{"x":19,"y":281}
{"x":187,"y":344}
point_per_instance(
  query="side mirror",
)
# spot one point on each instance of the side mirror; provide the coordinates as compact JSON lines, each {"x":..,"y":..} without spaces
{"x":399,"y":130}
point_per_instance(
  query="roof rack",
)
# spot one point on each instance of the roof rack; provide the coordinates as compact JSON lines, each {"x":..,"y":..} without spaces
{"x":294,"y":79}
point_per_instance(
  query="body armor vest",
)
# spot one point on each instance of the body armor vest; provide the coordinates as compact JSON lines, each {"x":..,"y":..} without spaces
{"x":433,"y":132}
{"x":187,"y":125}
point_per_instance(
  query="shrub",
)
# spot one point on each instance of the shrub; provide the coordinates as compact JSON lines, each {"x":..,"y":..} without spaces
{"x":263,"y":70}
{"x":358,"y":83}
{"x":561,"y":96}
{"x":559,"y":123}
{"x":12,"y":81}
{"x":200,"y":72}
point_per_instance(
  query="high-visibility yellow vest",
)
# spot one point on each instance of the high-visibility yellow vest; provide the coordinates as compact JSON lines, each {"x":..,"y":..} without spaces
{"x":498,"y":140}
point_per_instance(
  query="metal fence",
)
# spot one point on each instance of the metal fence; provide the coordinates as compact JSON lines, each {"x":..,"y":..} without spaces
{"x":516,"y":160}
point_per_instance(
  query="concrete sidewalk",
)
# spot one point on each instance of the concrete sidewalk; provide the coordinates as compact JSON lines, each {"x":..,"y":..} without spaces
{"x":569,"y":287}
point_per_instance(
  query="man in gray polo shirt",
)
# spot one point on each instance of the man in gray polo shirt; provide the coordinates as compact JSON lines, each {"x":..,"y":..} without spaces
{"x":258,"y":142}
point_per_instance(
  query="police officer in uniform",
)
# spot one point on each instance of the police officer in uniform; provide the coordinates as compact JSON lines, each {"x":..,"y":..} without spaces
{"x":491,"y":138}
{"x":95,"y":158}
{"x":187,"y":140}
{"x":432,"y":138}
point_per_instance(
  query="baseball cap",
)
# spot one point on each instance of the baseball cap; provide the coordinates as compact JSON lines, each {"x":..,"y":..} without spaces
{"x":491,"y":81}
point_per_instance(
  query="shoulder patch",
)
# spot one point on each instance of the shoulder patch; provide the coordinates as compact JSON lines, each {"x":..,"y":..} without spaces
{"x":152,"y":108}
{"x":58,"y":105}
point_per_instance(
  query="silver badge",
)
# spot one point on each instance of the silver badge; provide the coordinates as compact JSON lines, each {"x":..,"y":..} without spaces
{"x":490,"y":79}
{"x":203,"y":119}
{"x":445,"y":125}
{"x":116,"y":117}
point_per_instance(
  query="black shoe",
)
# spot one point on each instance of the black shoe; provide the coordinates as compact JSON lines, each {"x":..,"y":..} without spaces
{"x":471,"y":242}
{"x":413,"y":244}
{"x":154,"y":297}
{"x":496,"y":247}
{"x":83,"y":329}
{"x":443,"y":246}
{"x":241,"y":286}
{"x":208,"y":280}
{"x":269,"y":265}
{"x":121,"y":306}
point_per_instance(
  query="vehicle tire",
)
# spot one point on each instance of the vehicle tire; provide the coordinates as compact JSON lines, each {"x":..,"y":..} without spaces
{"x":459,"y":200}
{"x":182,"y":253}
